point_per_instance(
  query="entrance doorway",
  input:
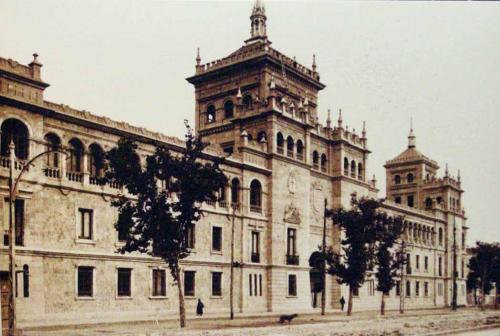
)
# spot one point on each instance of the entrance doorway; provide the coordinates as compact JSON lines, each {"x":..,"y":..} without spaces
{"x":4,"y":301}
{"x":316,"y":279}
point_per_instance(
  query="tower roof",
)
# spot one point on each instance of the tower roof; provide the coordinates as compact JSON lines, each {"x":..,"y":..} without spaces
{"x":411,"y":154}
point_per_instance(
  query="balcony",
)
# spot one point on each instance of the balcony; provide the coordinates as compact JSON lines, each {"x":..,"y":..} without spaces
{"x":52,"y":172}
{"x":255,"y":257}
{"x":75,"y":176}
{"x":292,"y":259}
{"x":280,"y":150}
{"x":223,"y":204}
{"x":5,"y":163}
{"x":300,"y":156}
{"x":289,"y":153}
{"x":256,"y":208}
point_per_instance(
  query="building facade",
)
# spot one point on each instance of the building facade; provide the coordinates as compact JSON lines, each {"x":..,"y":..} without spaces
{"x":258,"y":108}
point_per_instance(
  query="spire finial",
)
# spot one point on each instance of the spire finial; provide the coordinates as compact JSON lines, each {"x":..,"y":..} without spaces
{"x":329,"y":119}
{"x":198,"y":58}
{"x":314,"y":63}
{"x":446,"y":172}
{"x":364,"y":129}
{"x":239,"y":95}
{"x":258,"y":22}
{"x":411,"y":136}
{"x":339,"y":121}
{"x":458,"y":176}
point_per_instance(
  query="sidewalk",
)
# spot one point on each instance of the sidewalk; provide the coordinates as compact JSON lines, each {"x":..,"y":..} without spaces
{"x":263,"y":323}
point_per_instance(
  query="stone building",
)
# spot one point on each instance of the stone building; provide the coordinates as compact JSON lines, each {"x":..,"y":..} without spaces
{"x":259,"y":108}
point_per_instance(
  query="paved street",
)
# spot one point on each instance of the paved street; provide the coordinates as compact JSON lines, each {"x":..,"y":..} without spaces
{"x":422,"y":322}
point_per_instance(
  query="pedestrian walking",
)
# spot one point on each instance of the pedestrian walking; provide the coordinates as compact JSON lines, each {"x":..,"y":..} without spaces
{"x":199,"y":308}
{"x":342,"y":303}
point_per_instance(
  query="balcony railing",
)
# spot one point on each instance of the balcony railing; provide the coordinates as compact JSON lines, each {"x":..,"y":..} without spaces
{"x":292,"y":259}
{"x":255,"y":257}
{"x":75,"y":176}
{"x":52,"y":172}
{"x":300,"y":156}
{"x":256,"y":208}
{"x":5,"y":163}
{"x":280,"y":150}
{"x":95,"y":180}
{"x":223,"y":204}
{"x":323,"y":169}
{"x":289,"y":153}
{"x":316,"y":166}
{"x":210,"y":202}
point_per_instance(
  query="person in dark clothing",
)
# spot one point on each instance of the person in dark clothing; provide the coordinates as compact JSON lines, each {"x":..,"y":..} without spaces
{"x":342,"y":303}
{"x":199,"y":308}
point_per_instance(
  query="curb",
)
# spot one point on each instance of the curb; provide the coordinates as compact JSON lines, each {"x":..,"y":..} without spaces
{"x":455,"y":331}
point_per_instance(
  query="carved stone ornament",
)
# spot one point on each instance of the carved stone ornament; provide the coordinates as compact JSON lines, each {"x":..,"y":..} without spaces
{"x":317,"y":198}
{"x":292,"y":214}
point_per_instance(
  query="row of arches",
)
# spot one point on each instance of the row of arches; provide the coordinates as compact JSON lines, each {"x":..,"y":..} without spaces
{"x":423,"y":234}
{"x":351,"y":168}
{"x":410,"y":178}
{"x":228,"y":108}
{"x":293,"y":149}
{"x":255,"y":193}
{"x":17,"y":131}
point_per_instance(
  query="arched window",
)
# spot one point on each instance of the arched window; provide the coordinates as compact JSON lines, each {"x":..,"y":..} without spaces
{"x":439,"y":200}
{"x":315,"y":160}
{"x":235,"y":191}
{"x":210,"y":114}
{"x":255,"y":196}
{"x":75,"y":156}
{"x":300,"y":150}
{"x":26,"y":281}
{"x":409,"y":178}
{"x":262,"y":136}
{"x":96,"y":163}
{"x":52,"y":142}
{"x":15,"y":130}
{"x":228,"y":109}
{"x":280,"y":142}
{"x":440,"y":236}
{"x":428,"y":203}
{"x":289,"y":146}
{"x":397,"y":179}
{"x":353,"y":168}
{"x":346,"y":166}
{"x":463,"y":240}
{"x":250,"y":136}
{"x":360,"y":171}
{"x":323,"y":163}
{"x":247,"y":102}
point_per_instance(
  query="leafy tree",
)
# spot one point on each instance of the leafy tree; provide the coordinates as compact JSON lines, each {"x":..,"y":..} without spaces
{"x":360,"y":225}
{"x":484,"y":266}
{"x":388,"y":260}
{"x":167,"y":194}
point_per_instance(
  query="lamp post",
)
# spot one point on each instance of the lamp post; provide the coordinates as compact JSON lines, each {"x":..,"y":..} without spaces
{"x":323,"y":262}
{"x":231,"y":285}
{"x":13,"y":186}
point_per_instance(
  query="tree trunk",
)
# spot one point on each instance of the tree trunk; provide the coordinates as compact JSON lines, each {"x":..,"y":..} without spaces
{"x":475,"y":296}
{"x":496,"y":296}
{"x":382,"y":305}
{"x":349,"y":304}
{"x":483,"y":296}
{"x":182,"y":307}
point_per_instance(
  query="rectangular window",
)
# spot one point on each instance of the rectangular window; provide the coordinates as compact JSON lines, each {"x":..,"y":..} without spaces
{"x":85,"y":224}
{"x":292,"y":285}
{"x":159,"y":282}
{"x":417,"y":262}
{"x":440,"y":289}
{"x":410,"y":201}
{"x":440,"y":269}
{"x":398,"y":288}
{"x":216,"y":283}
{"x":189,"y":283}
{"x":260,"y":284}
{"x":408,"y":263}
{"x":408,"y":288}
{"x":291,"y":242}
{"x":426,"y":263}
{"x":190,"y":236}
{"x":124,"y":282}
{"x":397,"y":199}
{"x":355,"y":292}
{"x":255,"y":283}
{"x":417,"y":288}
{"x":255,"y":255}
{"x":85,"y":281}
{"x":216,"y":238}
{"x":250,"y":284}
{"x":426,"y":288}
{"x":18,"y":221}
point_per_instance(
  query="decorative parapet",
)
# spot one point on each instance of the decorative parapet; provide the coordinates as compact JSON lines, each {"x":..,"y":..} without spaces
{"x":339,"y":133}
{"x":444,"y":181}
{"x":15,"y":67}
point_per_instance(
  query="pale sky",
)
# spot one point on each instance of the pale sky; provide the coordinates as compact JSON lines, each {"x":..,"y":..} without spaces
{"x":382,"y":62}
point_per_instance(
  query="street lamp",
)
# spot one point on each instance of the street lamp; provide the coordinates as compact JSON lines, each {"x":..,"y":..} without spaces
{"x":454,"y":297}
{"x":13,"y":186}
